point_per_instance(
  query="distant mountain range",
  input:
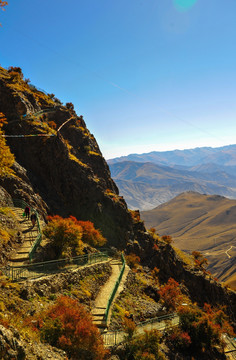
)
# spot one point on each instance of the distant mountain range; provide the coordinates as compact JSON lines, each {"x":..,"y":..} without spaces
{"x":147,"y":180}
{"x":225,"y":155}
{"x":200,"y":222}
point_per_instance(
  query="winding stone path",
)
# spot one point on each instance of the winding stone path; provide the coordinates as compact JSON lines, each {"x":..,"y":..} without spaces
{"x":98,"y":312}
{"x":27,"y":237}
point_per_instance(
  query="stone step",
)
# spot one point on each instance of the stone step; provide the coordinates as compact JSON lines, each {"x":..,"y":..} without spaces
{"x":115,"y":262}
{"x":29,"y":235}
{"x":20,"y":259}
{"x":102,"y":325}
{"x":23,"y":251}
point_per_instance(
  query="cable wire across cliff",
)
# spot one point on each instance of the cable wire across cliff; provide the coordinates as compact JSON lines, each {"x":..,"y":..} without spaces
{"x":40,"y":134}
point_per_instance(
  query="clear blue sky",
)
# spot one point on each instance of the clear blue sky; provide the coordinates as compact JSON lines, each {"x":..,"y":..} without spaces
{"x":145,"y":74}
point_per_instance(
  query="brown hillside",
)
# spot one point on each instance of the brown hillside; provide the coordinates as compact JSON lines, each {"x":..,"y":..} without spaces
{"x":200,"y":222}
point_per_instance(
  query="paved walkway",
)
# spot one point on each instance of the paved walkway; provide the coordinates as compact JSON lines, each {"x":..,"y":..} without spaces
{"x":98,"y":312}
{"x":27,"y":237}
{"x":230,"y":348}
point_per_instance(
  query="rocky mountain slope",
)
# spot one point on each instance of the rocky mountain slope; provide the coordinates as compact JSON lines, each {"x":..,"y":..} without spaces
{"x":60,"y":172}
{"x":59,"y":169}
{"x":146,"y":185}
{"x":200,"y":222}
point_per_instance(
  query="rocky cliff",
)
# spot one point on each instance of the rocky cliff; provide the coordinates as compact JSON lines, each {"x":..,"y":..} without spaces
{"x":65,"y":169}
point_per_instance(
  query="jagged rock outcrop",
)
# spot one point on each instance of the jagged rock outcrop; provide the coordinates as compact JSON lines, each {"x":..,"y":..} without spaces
{"x":12,"y":346}
{"x":5,"y":198}
{"x":18,"y":186}
{"x":68,"y":169}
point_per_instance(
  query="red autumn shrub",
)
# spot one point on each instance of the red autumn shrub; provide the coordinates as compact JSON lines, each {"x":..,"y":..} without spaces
{"x":65,"y":235}
{"x":68,"y":326}
{"x":91,"y":235}
{"x":129,"y":327}
{"x":52,"y":124}
{"x":135,"y":214}
{"x":155,"y":247}
{"x":199,"y":260}
{"x":179,"y":339}
{"x":205,"y":328}
{"x":171,"y":294}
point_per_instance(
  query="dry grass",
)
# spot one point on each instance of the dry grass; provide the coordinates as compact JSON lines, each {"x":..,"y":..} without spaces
{"x":187,"y":259}
{"x":18,"y":84}
{"x":93,"y":153}
{"x":205,"y":223}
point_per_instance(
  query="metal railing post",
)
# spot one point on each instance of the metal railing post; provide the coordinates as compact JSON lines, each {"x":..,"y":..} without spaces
{"x":31,"y":270}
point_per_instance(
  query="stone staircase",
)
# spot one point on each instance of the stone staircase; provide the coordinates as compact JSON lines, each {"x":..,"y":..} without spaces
{"x":27,"y":236}
{"x":98,"y":312}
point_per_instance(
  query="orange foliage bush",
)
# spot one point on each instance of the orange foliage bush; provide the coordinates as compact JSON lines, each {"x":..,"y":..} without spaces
{"x":67,"y":325}
{"x":132,"y":260}
{"x":91,"y":235}
{"x":171,"y":294}
{"x":219,"y":318}
{"x":152,"y":230}
{"x":129,"y":327}
{"x":205,"y":328}
{"x":155,"y":247}
{"x":135,"y":214}
{"x":6,"y":157}
{"x":4,"y":322}
{"x":52,"y":124}
{"x":155,"y":272}
{"x":13,"y":70}
{"x":65,"y":234}
{"x":179,"y":339}
{"x":167,"y":238}
{"x":199,"y":260}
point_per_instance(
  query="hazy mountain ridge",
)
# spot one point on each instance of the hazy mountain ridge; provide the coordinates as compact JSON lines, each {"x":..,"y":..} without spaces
{"x":146,"y":185}
{"x":200,"y":222}
{"x":225,"y":155}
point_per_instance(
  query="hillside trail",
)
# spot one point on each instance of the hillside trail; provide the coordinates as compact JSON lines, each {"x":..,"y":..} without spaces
{"x":28,"y":235}
{"x":219,"y":252}
{"x":231,"y":247}
{"x":99,"y":309}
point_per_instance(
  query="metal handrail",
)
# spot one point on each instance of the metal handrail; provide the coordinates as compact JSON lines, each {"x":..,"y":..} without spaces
{"x":34,"y":270}
{"x":22,"y":204}
{"x":113,"y":293}
{"x":116,"y":337}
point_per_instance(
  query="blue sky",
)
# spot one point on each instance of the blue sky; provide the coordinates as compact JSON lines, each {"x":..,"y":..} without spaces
{"x":146,"y":74}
